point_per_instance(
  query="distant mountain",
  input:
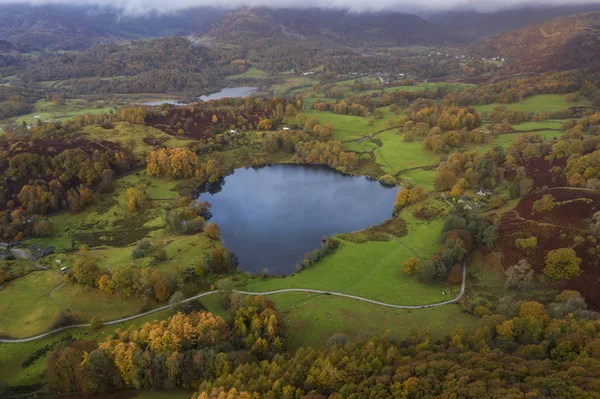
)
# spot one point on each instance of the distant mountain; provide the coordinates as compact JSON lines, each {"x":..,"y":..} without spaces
{"x":330,"y":26}
{"x":63,"y":27}
{"x":474,"y":25}
{"x":563,"y":43}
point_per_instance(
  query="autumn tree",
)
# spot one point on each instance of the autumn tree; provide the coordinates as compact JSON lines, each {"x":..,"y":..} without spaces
{"x":562,"y":264}
{"x":212,"y":230}
{"x":265,"y":124}
{"x":445,"y":180}
{"x":86,"y":270}
{"x":136,"y":198}
{"x":411,"y":266}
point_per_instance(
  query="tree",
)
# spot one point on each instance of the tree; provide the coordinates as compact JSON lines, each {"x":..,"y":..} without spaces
{"x":43,"y":228}
{"x":520,"y":276}
{"x":411,"y":266}
{"x":86,"y":271}
{"x":265,"y":124}
{"x":212,"y":230}
{"x":136,"y":198}
{"x":106,"y":185}
{"x":445,"y":180}
{"x":105,"y":284}
{"x":215,"y":119}
{"x":496,"y":201}
{"x":562,"y":264}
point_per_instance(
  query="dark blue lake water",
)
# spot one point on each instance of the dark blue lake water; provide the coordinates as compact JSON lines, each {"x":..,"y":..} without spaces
{"x":271,"y":216}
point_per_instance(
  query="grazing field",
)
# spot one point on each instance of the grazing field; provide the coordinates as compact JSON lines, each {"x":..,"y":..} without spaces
{"x":141,"y":139}
{"x":539,"y":103}
{"x":86,"y":303}
{"x":395,"y":154}
{"x":372,"y":270}
{"x":313,"y":318}
{"x":549,"y":124}
{"x":25,"y":305}
{"x":423,"y":177}
{"x":348,"y":127}
{"x":47,"y":111}
{"x":505,"y":140}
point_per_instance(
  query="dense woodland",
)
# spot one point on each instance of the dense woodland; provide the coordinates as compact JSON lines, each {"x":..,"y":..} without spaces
{"x":525,"y":348}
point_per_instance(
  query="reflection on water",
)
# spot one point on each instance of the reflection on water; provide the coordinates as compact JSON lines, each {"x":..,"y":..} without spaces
{"x":231,"y":92}
{"x":271,"y":216}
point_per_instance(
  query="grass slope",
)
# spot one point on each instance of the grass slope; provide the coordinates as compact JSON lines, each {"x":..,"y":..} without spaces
{"x":535,"y":104}
{"x":371,"y":270}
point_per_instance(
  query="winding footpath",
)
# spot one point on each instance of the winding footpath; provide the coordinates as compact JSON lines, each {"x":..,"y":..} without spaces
{"x":358,"y":298}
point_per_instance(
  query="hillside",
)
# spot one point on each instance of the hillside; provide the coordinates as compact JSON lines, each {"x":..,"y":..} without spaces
{"x":330,"y":27}
{"x":67,"y":27}
{"x":564,"y":43}
{"x":475,"y":25}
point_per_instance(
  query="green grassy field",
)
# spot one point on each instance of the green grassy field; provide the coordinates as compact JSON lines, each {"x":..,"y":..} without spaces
{"x":126,"y":133}
{"x":505,"y":140}
{"x":313,"y":318}
{"x":25,"y":306}
{"x":348,"y":127}
{"x":421,"y":177}
{"x":395,"y":154}
{"x":534,"y":104}
{"x":548,"y":124}
{"x":45,"y":110}
{"x":372,"y":270}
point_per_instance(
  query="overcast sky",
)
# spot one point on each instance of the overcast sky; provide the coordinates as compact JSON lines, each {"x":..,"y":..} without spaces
{"x":142,"y":6}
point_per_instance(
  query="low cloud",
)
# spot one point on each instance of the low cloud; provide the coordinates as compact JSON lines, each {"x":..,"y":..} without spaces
{"x":148,"y":6}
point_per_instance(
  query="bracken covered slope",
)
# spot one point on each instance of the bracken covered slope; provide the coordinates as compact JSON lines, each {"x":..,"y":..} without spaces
{"x":564,"y":43}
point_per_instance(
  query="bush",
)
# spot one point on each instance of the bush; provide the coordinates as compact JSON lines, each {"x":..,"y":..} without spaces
{"x":388,"y":180}
{"x":525,"y":243}
{"x":545,"y":204}
{"x":142,"y":249}
{"x":96,"y":324}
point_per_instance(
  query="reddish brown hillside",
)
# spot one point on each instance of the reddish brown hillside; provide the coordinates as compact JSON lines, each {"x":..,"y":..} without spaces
{"x":563,"y":43}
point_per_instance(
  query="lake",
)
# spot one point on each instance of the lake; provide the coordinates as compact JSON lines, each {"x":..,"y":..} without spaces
{"x":271,"y":216}
{"x":161,"y":102}
{"x":231,"y":92}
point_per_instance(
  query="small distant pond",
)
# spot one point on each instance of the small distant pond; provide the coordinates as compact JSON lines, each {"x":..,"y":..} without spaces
{"x":271,"y":216}
{"x":161,"y":102}
{"x":231,"y":92}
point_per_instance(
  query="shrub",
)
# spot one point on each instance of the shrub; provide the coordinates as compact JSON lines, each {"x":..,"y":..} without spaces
{"x":525,"y":243}
{"x":96,"y":324}
{"x":545,"y":204}
{"x":388,"y":180}
{"x":142,"y":249}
